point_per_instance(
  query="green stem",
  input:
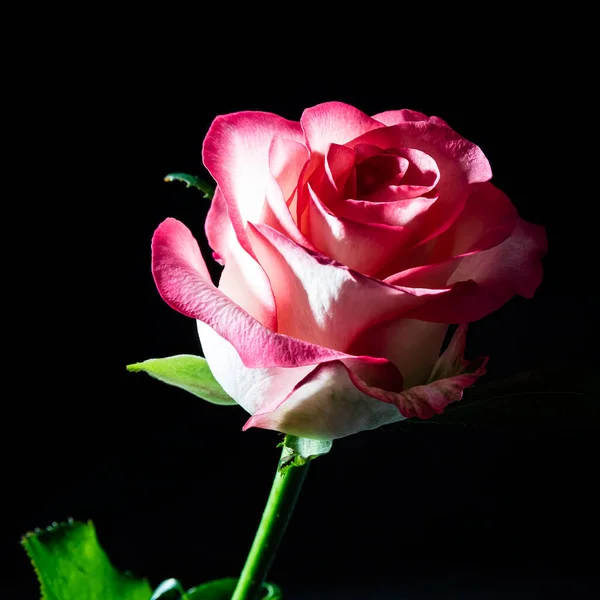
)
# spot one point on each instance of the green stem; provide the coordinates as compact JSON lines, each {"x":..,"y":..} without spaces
{"x":277,"y":513}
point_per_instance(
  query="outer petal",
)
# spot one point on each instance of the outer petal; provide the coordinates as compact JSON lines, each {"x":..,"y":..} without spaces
{"x":218,"y":226}
{"x":256,"y":388}
{"x":236,"y":152}
{"x":249,"y":387}
{"x":487,"y":219}
{"x":243,"y":279}
{"x":334,"y":123}
{"x":325,"y":405}
{"x":333,"y":402}
{"x":496,"y":275}
{"x":184,"y":283}
{"x":322,"y":302}
{"x":450,"y":376}
{"x":394,"y":117}
{"x":413,"y":346}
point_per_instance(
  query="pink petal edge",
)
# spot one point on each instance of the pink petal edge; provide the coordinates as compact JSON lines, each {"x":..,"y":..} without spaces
{"x":317,"y":414}
{"x":184,"y":283}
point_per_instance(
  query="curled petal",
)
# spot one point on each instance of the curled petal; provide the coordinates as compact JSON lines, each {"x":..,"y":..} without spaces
{"x":261,"y":390}
{"x":413,"y":346}
{"x":218,"y":226}
{"x":484,"y":281}
{"x":321,"y":301}
{"x":184,"y":283}
{"x":236,"y":152}
{"x":365,"y":247}
{"x":395,"y":117}
{"x":325,"y":405}
{"x":488,"y":219}
{"x":286,"y":161}
{"x":332,"y":401}
{"x":334,"y":123}
{"x":462,"y":165}
{"x":450,"y":376}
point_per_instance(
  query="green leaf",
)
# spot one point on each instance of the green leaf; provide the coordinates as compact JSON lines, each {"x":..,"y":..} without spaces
{"x":71,"y":565}
{"x":190,"y":373}
{"x":222,"y":589}
{"x":298,"y":451}
{"x":192,"y":181}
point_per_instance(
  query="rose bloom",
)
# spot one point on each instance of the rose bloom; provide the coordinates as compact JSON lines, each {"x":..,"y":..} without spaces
{"x":349,"y":245}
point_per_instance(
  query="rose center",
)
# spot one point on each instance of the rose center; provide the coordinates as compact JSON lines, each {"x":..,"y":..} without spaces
{"x":381,"y":170}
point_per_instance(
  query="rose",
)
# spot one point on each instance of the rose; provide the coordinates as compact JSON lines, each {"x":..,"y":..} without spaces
{"x":350,"y":243}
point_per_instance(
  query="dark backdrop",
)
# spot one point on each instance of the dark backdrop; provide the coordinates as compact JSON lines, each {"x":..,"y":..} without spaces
{"x":500,"y":498}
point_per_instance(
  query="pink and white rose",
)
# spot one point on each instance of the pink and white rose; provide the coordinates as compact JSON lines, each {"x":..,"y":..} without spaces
{"x":349,"y":245}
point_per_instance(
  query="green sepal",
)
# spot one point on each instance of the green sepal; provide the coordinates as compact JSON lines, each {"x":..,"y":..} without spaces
{"x":192,"y":181}
{"x":220,"y":589}
{"x":298,"y":451}
{"x":188,"y":372}
{"x":71,"y":565}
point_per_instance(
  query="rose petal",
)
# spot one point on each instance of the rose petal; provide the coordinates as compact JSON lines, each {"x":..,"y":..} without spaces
{"x":420,"y":178}
{"x":286,"y":161}
{"x":218,"y":226}
{"x":413,"y":346}
{"x":450,"y":376}
{"x":236,"y":152}
{"x":395,"y":117}
{"x":334,"y":123}
{"x":184,"y":283}
{"x":332,"y":401}
{"x":325,"y":405}
{"x":249,"y":387}
{"x":461,"y":164}
{"x":487,"y":219}
{"x":323,"y":302}
{"x":243,"y":280}
{"x":395,"y":213}
{"x":496,"y":275}
{"x":362,"y":246}
{"x":338,"y":166}
{"x":256,"y":388}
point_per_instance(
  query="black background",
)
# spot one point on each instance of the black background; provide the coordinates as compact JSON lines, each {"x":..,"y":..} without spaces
{"x":496,"y":499}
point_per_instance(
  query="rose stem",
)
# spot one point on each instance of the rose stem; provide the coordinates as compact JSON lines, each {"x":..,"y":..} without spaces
{"x":277,"y":513}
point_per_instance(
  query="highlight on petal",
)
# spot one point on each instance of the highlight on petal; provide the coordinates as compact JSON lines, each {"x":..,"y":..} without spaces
{"x":332,"y":401}
{"x":217,"y":226}
{"x":325,"y":405}
{"x":286,"y":161}
{"x":324,"y":302}
{"x":243,"y":280}
{"x":184,"y":283}
{"x":259,"y":389}
{"x":334,"y":123}
{"x":236,"y":152}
